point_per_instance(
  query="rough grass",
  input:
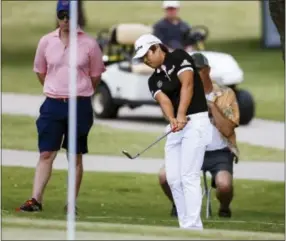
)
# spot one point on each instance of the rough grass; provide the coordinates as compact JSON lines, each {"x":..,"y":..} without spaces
{"x":19,"y":132}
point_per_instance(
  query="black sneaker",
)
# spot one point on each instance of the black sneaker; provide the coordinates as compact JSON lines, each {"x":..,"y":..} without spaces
{"x":174,"y":211}
{"x":31,"y":205}
{"x":66,"y":209}
{"x":224,"y":213}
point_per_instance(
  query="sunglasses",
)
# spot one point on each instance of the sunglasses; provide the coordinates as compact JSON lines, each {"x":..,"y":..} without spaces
{"x":171,"y":9}
{"x":63,"y":14}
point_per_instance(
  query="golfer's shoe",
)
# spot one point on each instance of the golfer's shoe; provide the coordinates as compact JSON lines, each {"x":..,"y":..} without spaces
{"x":174,"y":211}
{"x":31,"y":205}
{"x":66,"y":209}
{"x":224,"y":213}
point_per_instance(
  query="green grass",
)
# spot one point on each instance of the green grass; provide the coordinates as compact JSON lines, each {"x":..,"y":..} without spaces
{"x":12,"y":226}
{"x":220,"y":16}
{"x":137,"y":199}
{"x":229,"y":32}
{"x":19,"y":132}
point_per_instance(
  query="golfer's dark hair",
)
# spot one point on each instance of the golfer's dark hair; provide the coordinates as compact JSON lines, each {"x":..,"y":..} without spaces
{"x":161,"y":46}
{"x":164,"y":48}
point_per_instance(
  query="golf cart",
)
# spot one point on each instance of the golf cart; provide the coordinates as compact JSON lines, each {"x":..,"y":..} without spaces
{"x":125,"y":80}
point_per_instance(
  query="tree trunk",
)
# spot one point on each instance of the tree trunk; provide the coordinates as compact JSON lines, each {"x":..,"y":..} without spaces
{"x":81,"y":15}
{"x":277,"y":12}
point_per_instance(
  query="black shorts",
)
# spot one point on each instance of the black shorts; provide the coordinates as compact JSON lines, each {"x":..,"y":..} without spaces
{"x":218,"y":160}
{"x":52,"y":125}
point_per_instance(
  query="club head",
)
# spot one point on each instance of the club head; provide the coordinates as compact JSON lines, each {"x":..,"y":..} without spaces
{"x":127,"y":154}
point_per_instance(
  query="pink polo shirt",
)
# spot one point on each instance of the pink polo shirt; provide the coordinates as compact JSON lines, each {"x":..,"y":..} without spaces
{"x":52,"y":58}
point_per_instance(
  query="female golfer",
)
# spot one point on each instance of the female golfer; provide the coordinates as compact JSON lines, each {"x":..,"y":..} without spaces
{"x":176,"y":85}
{"x":52,"y":68}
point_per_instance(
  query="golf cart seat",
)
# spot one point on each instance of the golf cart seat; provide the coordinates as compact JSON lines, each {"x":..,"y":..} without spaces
{"x":126,"y":34}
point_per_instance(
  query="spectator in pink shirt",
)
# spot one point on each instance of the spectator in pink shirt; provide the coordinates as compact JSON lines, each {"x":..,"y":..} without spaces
{"x":52,"y":68}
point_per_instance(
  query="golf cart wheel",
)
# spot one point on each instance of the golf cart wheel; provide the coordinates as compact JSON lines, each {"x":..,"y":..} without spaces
{"x":246,"y":106}
{"x":102,"y":103}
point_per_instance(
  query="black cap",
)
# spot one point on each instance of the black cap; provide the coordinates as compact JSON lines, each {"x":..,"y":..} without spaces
{"x":200,"y":60}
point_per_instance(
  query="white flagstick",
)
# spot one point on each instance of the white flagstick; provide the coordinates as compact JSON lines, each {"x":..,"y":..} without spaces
{"x":72,"y":120}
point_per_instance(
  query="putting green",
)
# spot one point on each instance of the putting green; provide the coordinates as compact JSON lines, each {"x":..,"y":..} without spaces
{"x":101,"y":230}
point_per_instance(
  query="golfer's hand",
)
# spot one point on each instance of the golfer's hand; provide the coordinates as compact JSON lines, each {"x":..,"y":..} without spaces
{"x":210,"y":107}
{"x":173,"y":124}
{"x":182,"y":121}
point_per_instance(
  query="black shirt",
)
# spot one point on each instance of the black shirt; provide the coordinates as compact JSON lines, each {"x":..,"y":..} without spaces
{"x":166,"y":79}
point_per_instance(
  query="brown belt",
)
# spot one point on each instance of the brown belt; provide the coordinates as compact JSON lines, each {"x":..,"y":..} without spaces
{"x":65,"y":100}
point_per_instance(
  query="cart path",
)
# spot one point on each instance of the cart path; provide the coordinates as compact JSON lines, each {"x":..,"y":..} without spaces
{"x":271,"y":171}
{"x":258,"y":132}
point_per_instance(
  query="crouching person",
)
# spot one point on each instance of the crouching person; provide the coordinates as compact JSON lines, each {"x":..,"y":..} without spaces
{"x":223,"y":150}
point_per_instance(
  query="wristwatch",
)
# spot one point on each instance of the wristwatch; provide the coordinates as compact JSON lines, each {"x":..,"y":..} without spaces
{"x":210,"y":97}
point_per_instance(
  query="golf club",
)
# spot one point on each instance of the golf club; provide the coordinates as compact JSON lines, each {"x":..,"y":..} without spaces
{"x":126,"y":153}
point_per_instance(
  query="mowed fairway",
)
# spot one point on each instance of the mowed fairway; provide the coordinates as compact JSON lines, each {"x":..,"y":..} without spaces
{"x":234,"y":28}
{"x":15,"y":129}
{"x":137,"y":199}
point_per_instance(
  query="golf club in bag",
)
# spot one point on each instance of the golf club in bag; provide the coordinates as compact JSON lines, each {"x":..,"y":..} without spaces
{"x":126,"y":153}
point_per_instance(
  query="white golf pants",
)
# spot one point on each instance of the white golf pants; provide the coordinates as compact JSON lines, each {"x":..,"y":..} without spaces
{"x":184,"y":155}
